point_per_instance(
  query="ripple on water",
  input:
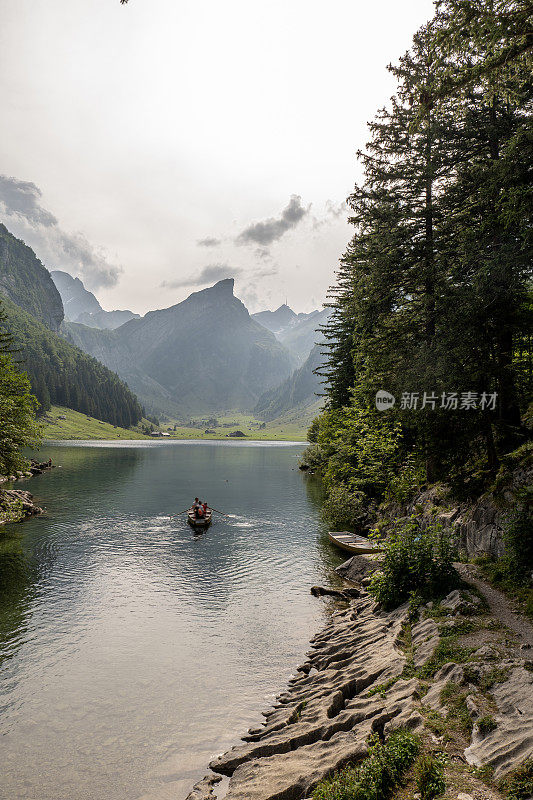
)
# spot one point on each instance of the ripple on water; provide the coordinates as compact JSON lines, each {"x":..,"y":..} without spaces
{"x":133,"y":650}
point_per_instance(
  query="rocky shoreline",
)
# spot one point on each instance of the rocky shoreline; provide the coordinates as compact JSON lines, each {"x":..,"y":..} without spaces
{"x":444,"y":671}
{"x":16,"y":505}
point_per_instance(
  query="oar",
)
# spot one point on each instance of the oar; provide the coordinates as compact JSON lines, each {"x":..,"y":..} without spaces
{"x":182,"y":512}
{"x":218,"y":512}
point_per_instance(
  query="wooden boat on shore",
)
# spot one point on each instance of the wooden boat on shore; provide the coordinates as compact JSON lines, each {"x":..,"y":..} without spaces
{"x":352,"y":543}
{"x":199,"y":522}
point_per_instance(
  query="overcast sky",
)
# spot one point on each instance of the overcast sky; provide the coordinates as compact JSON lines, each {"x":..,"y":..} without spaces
{"x":155,"y":147}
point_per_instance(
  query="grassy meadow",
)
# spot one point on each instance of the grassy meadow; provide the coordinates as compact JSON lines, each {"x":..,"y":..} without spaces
{"x":65,"y":424}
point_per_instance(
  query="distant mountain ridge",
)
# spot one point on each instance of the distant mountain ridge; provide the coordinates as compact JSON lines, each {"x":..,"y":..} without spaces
{"x":298,"y":391}
{"x":205,"y":354}
{"x":301,"y":338}
{"x":277,"y":320}
{"x":298,"y":332}
{"x":82,"y":306}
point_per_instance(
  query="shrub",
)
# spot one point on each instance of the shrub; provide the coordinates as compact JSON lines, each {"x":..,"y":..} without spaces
{"x":11,"y":510}
{"x":404,"y":484}
{"x":376,"y":776}
{"x":312,"y":457}
{"x":346,"y":508}
{"x":429,"y":775}
{"x":518,"y":784}
{"x":313,"y":431}
{"x":486,"y":724}
{"x":364,"y":452}
{"x":418,"y":558}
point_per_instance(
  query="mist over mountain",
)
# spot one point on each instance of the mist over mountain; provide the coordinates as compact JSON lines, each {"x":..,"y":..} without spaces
{"x":205,"y":354}
{"x":299,"y":390}
{"x":25,"y":281}
{"x":300,"y":339}
{"x":82,"y":306}
{"x":298,"y":332}
{"x":276,"y":321}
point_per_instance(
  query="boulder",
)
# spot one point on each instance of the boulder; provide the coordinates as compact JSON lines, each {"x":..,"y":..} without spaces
{"x":457,"y":604}
{"x":358,"y":568}
{"x":345,"y":594}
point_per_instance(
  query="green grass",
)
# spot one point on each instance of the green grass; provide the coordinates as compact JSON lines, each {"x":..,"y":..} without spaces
{"x":292,"y":426}
{"x":448,"y":649}
{"x":382,"y":688}
{"x":455,"y":701}
{"x":496,"y":675}
{"x":376,"y":776}
{"x":429,"y":773}
{"x":518,"y":784}
{"x":80,"y":426}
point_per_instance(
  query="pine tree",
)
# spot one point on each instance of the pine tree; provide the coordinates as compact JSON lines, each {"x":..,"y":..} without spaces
{"x":432,"y":293}
{"x":17,"y":407}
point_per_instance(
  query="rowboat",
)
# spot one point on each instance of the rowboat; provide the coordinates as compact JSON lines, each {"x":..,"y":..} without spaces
{"x":352,"y":543}
{"x":199,"y":522}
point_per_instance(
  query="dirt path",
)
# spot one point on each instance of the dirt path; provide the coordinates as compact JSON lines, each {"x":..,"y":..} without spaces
{"x":500,"y":605}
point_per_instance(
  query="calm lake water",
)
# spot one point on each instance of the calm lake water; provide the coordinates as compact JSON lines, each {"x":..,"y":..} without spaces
{"x":132,"y":651}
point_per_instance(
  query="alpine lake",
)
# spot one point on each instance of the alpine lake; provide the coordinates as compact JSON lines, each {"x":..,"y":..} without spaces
{"x":133,"y":651}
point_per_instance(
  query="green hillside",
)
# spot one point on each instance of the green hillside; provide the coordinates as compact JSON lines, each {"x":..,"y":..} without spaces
{"x":62,"y":374}
{"x":25,"y":281}
{"x":64,"y":423}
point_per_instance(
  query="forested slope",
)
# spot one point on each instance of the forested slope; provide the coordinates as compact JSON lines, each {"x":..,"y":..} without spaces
{"x":433,"y":297}
{"x":25,"y":281}
{"x":62,"y":374}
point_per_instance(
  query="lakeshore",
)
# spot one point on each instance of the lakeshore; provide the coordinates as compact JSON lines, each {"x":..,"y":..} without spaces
{"x":130,"y":648}
{"x":445,"y":672}
{"x":16,"y":505}
{"x":452,"y":672}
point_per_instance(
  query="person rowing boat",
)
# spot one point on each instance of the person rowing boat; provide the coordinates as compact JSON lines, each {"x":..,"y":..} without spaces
{"x":199,"y":514}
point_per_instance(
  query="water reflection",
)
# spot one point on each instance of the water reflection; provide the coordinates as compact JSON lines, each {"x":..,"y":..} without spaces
{"x":143,"y":650}
{"x":18,"y":576}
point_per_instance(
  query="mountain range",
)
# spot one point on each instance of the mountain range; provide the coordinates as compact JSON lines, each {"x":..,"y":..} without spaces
{"x":206,"y":354}
{"x":300,"y":390}
{"x":80,"y":305}
{"x":279,"y":320}
{"x":297,"y":332}
{"x":59,"y":372}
